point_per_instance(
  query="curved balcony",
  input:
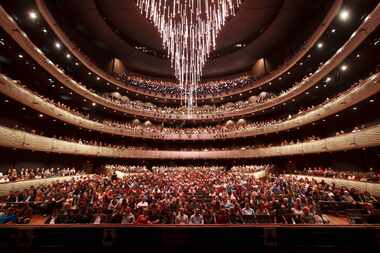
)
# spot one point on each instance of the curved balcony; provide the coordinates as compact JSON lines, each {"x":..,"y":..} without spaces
{"x":11,"y":138}
{"x":369,"y":25}
{"x":73,"y":48}
{"x":360,"y":92}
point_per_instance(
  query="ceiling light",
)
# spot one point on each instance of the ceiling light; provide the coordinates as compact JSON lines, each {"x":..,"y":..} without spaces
{"x":57,"y":45}
{"x":40,"y":115}
{"x":6,"y":100}
{"x":358,"y":56}
{"x":328,"y":79}
{"x":372,"y":100}
{"x":354,"y":108}
{"x":68,"y":56}
{"x":20,"y":56}
{"x":33,"y":15}
{"x":344,"y":68}
{"x":333,"y":30}
{"x":189,"y":30}
{"x":98,"y":78}
{"x":44,"y":30}
{"x":89,"y":73}
{"x":320,"y":45}
{"x":76,"y":64}
{"x":344,"y":15}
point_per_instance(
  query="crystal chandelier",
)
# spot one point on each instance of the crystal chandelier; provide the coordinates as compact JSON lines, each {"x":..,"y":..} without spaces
{"x":189,"y":29}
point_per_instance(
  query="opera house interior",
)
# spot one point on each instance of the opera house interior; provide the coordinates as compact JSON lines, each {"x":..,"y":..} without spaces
{"x":191,"y":125}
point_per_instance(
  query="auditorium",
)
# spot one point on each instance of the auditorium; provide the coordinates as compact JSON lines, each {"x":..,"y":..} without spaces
{"x":190,"y":126}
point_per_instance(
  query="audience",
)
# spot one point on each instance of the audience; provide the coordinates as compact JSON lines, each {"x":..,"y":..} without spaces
{"x":220,"y":130}
{"x":370,"y":176}
{"x":13,"y":174}
{"x":186,"y":196}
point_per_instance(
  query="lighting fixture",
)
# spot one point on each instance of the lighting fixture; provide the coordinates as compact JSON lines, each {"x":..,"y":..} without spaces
{"x":344,"y":15}
{"x":33,"y":15}
{"x":189,"y":29}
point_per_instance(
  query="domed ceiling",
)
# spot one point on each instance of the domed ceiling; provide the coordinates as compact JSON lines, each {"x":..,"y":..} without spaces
{"x":104,"y":28}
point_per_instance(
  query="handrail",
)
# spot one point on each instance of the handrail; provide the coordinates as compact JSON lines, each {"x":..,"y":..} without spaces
{"x":48,"y":17}
{"x":369,"y":24}
{"x":184,"y":226}
{"x":11,"y":138}
{"x":365,"y":89}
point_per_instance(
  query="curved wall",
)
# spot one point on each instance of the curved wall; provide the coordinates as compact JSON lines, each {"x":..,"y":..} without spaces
{"x":11,"y":138}
{"x":365,"y":89}
{"x":267,"y":78}
{"x":369,"y":24}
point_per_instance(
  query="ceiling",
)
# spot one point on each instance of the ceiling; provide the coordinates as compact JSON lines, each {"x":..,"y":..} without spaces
{"x":104,"y":29}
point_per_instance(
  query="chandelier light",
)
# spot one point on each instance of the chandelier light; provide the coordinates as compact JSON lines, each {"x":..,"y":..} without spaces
{"x":189,"y":29}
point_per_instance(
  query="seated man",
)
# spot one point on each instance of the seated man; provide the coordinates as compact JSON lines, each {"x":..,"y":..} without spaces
{"x":197,"y":217}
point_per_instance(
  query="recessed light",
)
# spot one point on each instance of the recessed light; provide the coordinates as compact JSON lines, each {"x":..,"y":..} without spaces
{"x":57,"y":45}
{"x":20,"y":56}
{"x":344,"y":68}
{"x":354,"y":108}
{"x":333,"y":30}
{"x":98,"y":78}
{"x":68,"y":56}
{"x":41,"y":115}
{"x":344,"y":15}
{"x":320,"y":45}
{"x":328,"y":79}
{"x":33,"y":15}
{"x":44,"y":30}
{"x":76,"y":64}
{"x":93,"y":104}
{"x":372,"y":100}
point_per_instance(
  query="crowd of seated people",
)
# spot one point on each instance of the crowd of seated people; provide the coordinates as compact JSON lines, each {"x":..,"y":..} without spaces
{"x":370,"y":176}
{"x":185,"y":196}
{"x":209,"y":88}
{"x":13,"y":174}
{"x":251,"y":168}
{"x":164,"y":169}
{"x":220,"y":130}
{"x":110,"y":168}
{"x":99,"y":142}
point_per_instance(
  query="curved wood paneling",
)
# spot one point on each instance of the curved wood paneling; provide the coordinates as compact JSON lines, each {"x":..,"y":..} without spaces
{"x":267,"y":78}
{"x":12,"y":138}
{"x":365,"y":89}
{"x":373,"y":188}
{"x":369,"y":24}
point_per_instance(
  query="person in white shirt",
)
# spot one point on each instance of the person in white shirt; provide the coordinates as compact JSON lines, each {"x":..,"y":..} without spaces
{"x":247,"y":210}
{"x":142,"y":204}
{"x":197,"y":217}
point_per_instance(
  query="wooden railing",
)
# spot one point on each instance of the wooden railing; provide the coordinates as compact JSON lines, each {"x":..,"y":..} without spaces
{"x":11,"y":138}
{"x":365,"y":89}
{"x":369,"y":24}
{"x":75,"y":50}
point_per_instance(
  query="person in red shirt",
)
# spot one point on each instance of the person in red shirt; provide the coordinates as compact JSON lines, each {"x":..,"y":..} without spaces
{"x":143,"y":218}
